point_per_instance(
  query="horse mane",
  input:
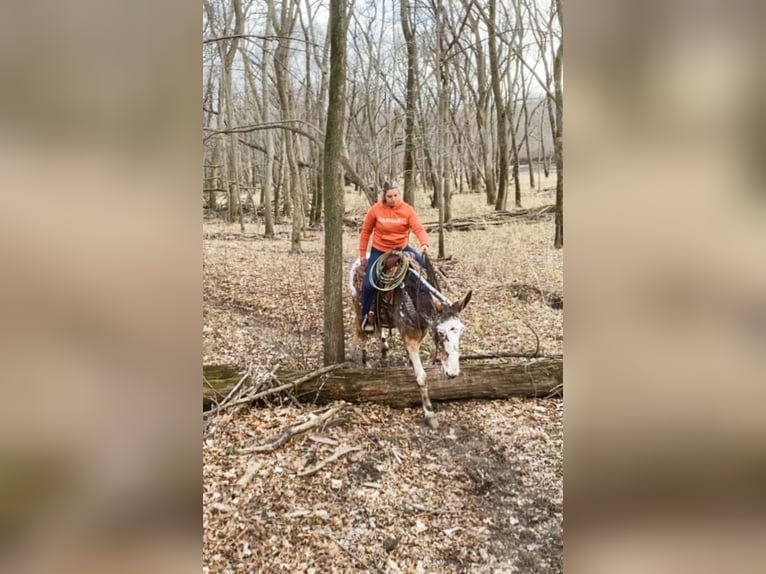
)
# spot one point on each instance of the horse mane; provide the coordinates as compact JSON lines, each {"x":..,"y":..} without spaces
{"x":422,"y":310}
{"x":431,"y":273}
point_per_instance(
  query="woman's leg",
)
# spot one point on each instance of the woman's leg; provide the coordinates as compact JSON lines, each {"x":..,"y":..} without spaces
{"x":368,"y":292}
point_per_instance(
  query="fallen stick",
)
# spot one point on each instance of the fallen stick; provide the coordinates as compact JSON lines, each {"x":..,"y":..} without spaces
{"x":223,"y":404}
{"x":336,"y":455}
{"x":509,"y":355}
{"x":291,"y":431}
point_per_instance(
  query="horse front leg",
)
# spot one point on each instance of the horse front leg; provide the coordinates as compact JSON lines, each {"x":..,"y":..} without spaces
{"x":384,"y":346}
{"x":413,"y":350}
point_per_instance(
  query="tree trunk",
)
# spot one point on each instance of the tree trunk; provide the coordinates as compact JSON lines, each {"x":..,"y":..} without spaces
{"x":558,"y":239}
{"x":501,"y":112}
{"x":333,"y":189}
{"x":268,"y":136}
{"x":515,"y":162}
{"x":294,"y":188}
{"x":441,"y":126}
{"x":397,"y":387}
{"x":447,"y":198}
{"x":215,"y":178}
{"x":411,"y":99}
{"x":235,"y":204}
{"x":527,"y":150}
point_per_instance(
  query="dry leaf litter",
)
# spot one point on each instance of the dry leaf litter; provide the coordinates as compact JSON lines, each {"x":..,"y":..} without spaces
{"x":482,"y":494}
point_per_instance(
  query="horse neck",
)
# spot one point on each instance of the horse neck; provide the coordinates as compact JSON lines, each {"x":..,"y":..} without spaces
{"x":417,"y":303}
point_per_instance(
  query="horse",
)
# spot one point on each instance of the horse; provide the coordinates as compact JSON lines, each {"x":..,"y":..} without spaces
{"x":413,"y":305}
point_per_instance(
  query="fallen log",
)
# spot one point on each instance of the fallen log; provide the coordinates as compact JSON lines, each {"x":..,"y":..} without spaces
{"x":397,"y":388}
{"x":492,"y":218}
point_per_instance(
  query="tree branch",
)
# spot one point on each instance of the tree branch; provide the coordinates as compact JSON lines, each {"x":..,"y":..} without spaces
{"x":334,"y":456}
{"x":291,"y":431}
{"x":253,"y":38}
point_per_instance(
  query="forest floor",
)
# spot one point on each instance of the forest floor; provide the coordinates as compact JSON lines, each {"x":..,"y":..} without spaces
{"x":481,"y":494}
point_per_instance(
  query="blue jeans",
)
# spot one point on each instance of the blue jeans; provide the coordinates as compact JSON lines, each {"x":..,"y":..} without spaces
{"x":368,"y":291}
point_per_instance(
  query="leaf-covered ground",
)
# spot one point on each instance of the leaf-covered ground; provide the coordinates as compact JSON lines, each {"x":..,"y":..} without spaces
{"x":483,"y":493}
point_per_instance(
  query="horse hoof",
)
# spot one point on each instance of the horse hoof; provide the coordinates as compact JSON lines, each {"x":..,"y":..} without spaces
{"x":432,"y":421}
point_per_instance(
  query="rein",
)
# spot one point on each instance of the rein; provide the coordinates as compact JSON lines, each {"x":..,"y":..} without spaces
{"x":433,"y":290}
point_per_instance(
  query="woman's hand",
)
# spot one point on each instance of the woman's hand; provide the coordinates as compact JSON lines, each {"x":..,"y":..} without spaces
{"x":424,"y":250}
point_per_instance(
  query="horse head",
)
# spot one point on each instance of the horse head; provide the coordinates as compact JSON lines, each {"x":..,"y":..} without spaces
{"x":446,"y":330}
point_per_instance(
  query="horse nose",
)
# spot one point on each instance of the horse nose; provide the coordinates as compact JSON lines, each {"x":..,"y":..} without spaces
{"x":451,"y":367}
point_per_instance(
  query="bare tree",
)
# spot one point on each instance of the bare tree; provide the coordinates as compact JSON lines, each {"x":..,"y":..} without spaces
{"x":281,"y":71}
{"x":482,"y":100}
{"x":228,"y":50}
{"x":558,"y":139}
{"x":333,"y":189}
{"x":268,"y":135}
{"x":411,"y":99}
{"x":500,"y":108}
{"x":547,"y":35}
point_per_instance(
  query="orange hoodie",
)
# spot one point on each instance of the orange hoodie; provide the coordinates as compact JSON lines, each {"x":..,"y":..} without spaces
{"x":391,"y":226}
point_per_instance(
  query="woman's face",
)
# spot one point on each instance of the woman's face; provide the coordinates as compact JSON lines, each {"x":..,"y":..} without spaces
{"x":392,"y":197}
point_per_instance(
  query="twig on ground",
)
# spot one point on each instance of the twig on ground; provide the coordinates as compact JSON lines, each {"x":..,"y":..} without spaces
{"x":223,"y":404}
{"x":556,"y":391}
{"x":323,"y":439}
{"x":235,"y":388}
{"x":537,"y":340}
{"x":291,"y":431}
{"x":423,"y":510}
{"x":204,"y":380}
{"x":354,"y":556}
{"x":508,"y":355}
{"x":336,"y":455}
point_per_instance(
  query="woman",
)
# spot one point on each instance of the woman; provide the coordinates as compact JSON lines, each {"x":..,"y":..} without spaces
{"x":389,"y":222}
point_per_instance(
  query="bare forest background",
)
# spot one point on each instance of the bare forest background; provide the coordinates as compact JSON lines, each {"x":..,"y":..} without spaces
{"x":309,"y":106}
{"x":446,"y":96}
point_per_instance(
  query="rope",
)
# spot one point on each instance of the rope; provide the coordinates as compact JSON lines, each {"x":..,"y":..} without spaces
{"x":391,"y":280}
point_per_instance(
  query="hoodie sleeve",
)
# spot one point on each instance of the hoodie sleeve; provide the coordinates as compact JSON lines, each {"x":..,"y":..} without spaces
{"x":367,"y":227}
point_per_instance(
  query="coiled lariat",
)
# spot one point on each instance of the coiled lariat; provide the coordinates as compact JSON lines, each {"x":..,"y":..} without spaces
{"x":392,"y":278}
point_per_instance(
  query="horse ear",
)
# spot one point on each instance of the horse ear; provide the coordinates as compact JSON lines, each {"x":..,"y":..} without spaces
{"x":460,"y":305}
{"x":437,"y":304}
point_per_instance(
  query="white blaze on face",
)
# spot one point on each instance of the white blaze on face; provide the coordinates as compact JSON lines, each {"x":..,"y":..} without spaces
{"x":449,"y":333}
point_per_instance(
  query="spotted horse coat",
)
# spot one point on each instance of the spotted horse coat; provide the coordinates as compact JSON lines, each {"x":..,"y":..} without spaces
{"x":414,"y":312}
